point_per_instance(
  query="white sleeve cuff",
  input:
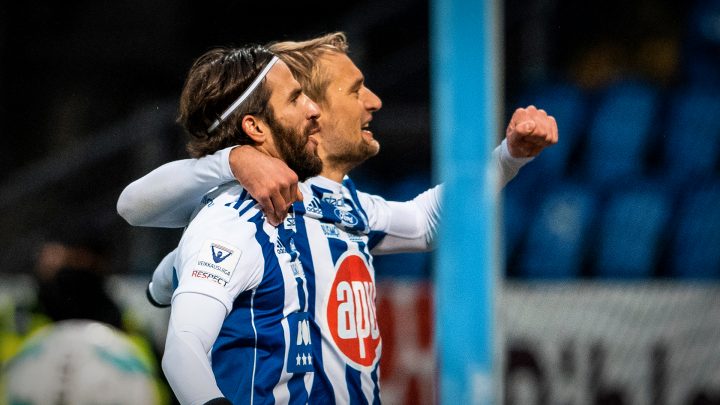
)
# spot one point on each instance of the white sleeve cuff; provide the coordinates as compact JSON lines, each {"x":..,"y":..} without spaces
{"x":509,"y":159}
{"x":507,"y":165}
{"x":224,"y":169}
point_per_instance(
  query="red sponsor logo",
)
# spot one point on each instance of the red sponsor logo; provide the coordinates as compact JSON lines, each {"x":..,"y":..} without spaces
{"x":351,"y":312}
{"x":209,"y":276}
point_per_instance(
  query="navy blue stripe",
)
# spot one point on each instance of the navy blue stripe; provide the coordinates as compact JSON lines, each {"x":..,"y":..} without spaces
{"x":376,"y":390}
{"x":250,"y":205}
{"x":337,"y":248}
{"x":365,"y":252}
{"x":302,"y":299}
{"x":352,"y":378}
{"x":375,"y":237}
{"x":298,"y":392}
{"x":296,"y":385}
{"x":353,"y":193}
{"x":234,"y":353}
{"x":175,"y":280}
{"x":321,"y":391}
{"x":239,"y":201}
{"x":286,"y":236}
{"x":269,"y":306}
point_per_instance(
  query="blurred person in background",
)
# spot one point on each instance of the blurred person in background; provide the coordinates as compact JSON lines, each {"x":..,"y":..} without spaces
{"x":70,"y":275}
{"x":80,"y":362}
{"x":71,"y":280}
{"x":329,"y":76}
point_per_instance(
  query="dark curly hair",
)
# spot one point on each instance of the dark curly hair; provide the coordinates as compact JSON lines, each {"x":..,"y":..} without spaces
{"x":216,"y":79}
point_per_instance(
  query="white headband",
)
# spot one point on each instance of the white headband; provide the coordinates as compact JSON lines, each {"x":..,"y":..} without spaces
{"x":244,"y":95}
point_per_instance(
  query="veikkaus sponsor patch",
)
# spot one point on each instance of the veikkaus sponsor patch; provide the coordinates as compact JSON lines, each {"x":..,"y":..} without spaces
{"x":216,"y":261}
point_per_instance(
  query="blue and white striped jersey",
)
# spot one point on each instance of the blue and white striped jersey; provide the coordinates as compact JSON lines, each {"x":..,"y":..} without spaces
{"x":301,"y":324}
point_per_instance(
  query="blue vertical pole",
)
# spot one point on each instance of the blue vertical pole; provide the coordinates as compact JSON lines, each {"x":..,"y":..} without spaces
{"x":464,"y":59}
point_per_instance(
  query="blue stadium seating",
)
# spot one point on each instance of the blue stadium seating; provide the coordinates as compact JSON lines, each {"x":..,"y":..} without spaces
{"x":692,"y":143}
{"x":618,"y":136}
{"x":514,"y":215}
{"x":556,"y":240}
{"x":631,"y":232}
{"x":695,"y":251}
{"x":568,"y":104}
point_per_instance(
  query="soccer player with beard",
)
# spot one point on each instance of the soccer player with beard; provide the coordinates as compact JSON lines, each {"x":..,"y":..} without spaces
{"x":239,"y":290}
{"x":336,"y":229}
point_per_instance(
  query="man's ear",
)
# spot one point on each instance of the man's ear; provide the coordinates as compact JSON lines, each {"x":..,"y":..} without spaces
{"x":254,"y":128}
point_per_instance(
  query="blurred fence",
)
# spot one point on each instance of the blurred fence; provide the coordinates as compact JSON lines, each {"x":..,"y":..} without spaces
{"x":651,"y":343}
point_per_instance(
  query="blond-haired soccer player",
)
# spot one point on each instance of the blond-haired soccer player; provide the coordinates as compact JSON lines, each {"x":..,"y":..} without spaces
{"x":336,"y":228}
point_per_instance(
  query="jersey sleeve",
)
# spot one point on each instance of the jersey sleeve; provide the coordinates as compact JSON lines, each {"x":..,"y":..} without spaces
{"x":408,"y":226}
{"x":218,"y":256}
{"x":411,"y":226}
{"x":507,"y":165}
{"x":161,"y":284}
{"x":217,"y":259}
{"x":167,"y":196}
{"x":195,"y":322}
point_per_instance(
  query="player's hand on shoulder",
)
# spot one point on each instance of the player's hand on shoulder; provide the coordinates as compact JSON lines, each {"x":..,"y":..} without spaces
{"x":530,"y":131}
{"x":267,"y":179}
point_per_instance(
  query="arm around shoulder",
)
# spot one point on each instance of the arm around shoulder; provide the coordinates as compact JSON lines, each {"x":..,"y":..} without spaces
{"x":167,"y":196}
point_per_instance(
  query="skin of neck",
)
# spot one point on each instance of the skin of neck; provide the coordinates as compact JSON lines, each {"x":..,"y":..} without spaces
{"x":333,"y":172}
{"x":332,"y":169}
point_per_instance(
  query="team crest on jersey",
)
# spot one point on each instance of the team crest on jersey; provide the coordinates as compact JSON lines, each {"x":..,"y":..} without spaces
{"x":350,"y":311}
{"x":330,"y":230}
{"x":347,"y":218}
{"x":216,"y":262}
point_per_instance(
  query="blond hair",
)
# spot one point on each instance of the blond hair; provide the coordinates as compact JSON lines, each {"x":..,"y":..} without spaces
{"x":301,"y":57}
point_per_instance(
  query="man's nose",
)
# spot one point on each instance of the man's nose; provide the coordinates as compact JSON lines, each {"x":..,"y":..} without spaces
{"x":371,"y":101}
{"x":313,"y":110}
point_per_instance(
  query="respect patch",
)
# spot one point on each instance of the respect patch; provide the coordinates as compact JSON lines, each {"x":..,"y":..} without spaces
{"x":216,"y":261}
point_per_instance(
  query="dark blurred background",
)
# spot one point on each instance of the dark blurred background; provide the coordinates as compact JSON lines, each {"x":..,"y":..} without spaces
{"x":88,"y":95}
{"x":88,"y":99}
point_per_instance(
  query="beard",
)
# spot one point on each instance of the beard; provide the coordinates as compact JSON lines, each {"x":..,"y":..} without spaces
{"x":292,"y":146}
{"x":341,"y":153}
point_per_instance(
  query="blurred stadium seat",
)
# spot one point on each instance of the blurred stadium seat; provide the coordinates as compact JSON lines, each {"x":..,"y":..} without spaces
{"x":695,"y":251}
{"x":692,"y":143}
{"x":617,"y":139}
{"x":556,"y":240}
{"x":631,"y":232}
{"x":514,"y":222}
{"x":568,"y":104}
